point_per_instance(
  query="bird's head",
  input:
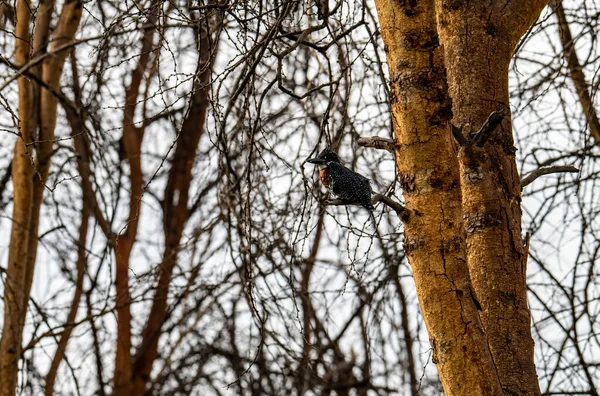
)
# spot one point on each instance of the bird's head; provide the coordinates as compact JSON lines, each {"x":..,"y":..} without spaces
{"x":326,"y":156}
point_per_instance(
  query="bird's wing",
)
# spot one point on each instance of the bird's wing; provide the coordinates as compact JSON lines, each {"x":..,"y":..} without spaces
{"x":364,"y":178}
{"x":349,"y":185}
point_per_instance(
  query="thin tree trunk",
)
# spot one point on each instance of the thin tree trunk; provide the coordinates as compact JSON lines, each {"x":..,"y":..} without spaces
{"x":408,"y":337}
{"x":52,"y":68}
{"x":576,"y":71}
{"x":123,"y":243}
{"x":428,"y":172}
{"x":79,"y":139}
{"x":29,"y":179}
{"x":175,"y":204}
{"x":304,"y":375}
{"x":72,"y":315}
{"x":479,"y":39}
{"x":22,"y":176}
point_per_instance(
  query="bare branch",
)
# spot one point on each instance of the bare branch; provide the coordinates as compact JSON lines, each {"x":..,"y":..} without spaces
{"x":402,"y":212}
{"x":530,"y":178}
{"x":377,"y":142}
{"x":61,"y":348}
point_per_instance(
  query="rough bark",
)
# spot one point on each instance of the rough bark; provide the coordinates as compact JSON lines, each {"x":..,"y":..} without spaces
{"x":428,"y":172}
{"x":479,"y":38}
{"x":31,"y":163}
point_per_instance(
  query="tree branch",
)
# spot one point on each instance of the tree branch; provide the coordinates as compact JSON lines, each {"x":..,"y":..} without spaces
{"x":530,"y":178}
{"x":377,"y":142}
{"x":61,"y":348}
{"x":400,"y":210}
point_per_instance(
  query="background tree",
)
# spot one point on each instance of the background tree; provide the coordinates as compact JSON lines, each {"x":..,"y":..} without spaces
{"x":31,"y":161}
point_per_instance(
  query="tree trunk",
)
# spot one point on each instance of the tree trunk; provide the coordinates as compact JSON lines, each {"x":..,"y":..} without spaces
{"x":123,"y":243}
{"x":61,"y":348}
{"x":22,"y":176}
{"x":29,"y":181}
{"x":175,"y":205}
{"x":428,"y":172}
{"x":576,"y":71}
{"x":479,"y":39}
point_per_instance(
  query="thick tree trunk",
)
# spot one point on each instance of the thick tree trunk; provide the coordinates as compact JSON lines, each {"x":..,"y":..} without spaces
{"x":428,"y":171}
{"x":478,"y":38}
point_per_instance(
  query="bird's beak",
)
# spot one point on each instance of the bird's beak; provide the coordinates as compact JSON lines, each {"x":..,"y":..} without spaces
{"x":316,"y":161}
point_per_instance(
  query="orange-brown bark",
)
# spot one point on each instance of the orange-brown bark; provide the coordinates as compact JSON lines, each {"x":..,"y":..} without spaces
{"x":51,"y":71}
{"x":478,"y":39}
{"x":29,"y":178}
{"x":428,"y":172}
{"x":22,"y":176}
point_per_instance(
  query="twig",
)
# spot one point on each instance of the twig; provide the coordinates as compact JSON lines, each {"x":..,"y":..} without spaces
{"x":530,"y":178}
{"x":376,"y":142}
{"x":4,"y":181}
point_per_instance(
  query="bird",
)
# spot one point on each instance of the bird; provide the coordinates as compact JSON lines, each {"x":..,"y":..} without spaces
{"x":348,"y":186}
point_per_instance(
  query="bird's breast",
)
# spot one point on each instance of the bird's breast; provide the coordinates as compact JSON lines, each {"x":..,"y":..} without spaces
{"x":325,"y":177}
